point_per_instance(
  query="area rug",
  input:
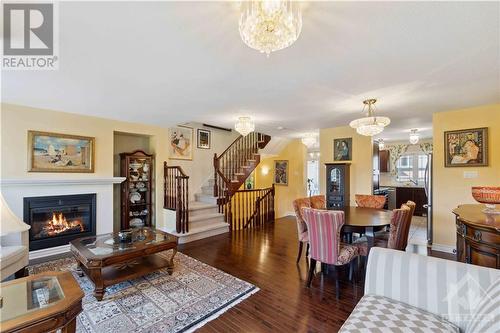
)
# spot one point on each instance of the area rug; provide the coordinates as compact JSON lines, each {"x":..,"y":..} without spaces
{"x":193,"y":295}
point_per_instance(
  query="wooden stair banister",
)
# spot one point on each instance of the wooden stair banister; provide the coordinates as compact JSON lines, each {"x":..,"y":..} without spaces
{"x":176,"y":195}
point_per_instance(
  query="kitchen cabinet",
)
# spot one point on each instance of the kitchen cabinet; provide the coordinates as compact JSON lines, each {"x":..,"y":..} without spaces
{"x":383,"y":157}
{"x":415,"y":194}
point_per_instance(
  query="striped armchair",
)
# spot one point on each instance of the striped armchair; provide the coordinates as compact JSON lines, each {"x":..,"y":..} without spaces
{"x":324,"y":238}
{"x":425,"y":295}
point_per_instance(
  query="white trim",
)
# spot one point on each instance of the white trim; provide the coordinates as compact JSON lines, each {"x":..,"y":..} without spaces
{"x":444,"y":248}
{"x":49,"y":251}
{"x":59,"y":182}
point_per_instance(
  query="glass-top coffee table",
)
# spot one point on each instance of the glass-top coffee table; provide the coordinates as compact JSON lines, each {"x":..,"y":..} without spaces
{"x":107,"y":260}
{"x":40,"y":303}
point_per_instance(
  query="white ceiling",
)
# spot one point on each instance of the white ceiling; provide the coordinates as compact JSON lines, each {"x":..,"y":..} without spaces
{"x":171,"y":62}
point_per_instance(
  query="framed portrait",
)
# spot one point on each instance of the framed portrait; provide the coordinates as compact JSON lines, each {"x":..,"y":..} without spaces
{"x":55,"y":152}
{"x":181,"y":143}
{"x":342,"y":149}
{"x":466,"y":148}
{"x":281,"y":172}
{"x":203,"y":139}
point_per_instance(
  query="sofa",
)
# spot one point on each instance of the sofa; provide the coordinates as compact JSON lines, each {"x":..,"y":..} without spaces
{"x":14,"y":243}
{"x":407,"y":292}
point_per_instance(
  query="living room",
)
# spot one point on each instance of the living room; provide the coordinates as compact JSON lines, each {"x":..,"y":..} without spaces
{"x":238,"y":166}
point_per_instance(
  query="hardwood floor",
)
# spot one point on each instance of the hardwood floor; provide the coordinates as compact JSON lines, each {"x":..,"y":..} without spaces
{"x":266,"y":257}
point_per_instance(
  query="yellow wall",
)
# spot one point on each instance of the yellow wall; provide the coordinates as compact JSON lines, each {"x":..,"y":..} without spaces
{"x":17,"y":120}
{"x":361,"y":165}
{"x":449,"y":186}
{"x":295,"y":152}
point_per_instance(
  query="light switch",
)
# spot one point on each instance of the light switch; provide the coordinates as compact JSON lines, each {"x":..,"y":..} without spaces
{"x":470,"y":174}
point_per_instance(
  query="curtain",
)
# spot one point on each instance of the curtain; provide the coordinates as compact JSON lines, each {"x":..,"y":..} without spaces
{"x":396,"y":151}
{"x":426,"y":147}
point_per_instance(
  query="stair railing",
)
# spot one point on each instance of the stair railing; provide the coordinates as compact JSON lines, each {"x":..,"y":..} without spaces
{"x":176,"y":195}
{"x":248,"y":208}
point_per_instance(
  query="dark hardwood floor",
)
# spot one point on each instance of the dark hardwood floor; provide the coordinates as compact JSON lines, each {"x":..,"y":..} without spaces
{"x":266,"y":257}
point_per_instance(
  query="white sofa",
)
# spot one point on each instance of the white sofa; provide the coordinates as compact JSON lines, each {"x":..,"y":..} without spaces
{"x":14,"y":242}
{"x":414,"y":293}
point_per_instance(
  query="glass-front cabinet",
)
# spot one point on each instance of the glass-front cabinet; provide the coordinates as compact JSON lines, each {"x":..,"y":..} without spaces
{"x":337,"y":185}
{"x":136,"y":190}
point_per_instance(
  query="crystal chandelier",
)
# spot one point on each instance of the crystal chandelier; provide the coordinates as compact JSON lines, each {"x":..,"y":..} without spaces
{"x":270,"y":25}
{"x":370,"y":125}
{"x":244,"y":125}
{"x":309,"y":139}
{"x":414,"y":136}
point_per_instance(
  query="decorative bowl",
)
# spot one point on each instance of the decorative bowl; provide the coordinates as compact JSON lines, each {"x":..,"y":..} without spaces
{"x":125,"y":236}
{"x":135,"y":166}
{"x":488,"y":195}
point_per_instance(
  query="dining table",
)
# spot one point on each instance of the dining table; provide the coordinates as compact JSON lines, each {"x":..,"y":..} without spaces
{"x":365,"y":221}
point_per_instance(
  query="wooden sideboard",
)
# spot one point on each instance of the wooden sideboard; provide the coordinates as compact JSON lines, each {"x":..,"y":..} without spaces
{"x":478,"y":236}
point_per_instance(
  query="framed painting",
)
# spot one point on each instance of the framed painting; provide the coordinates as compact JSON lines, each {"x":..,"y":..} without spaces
{"x":55,"y":152}
{"x":181,"y":143}
{"x":203,"y":139}
{"x":281,"y":172}
{"x":466,"y":148}
{"x":342,"y":149}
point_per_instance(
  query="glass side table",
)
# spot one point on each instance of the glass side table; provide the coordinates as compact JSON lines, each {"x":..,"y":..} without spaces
{"x":40,"y":303}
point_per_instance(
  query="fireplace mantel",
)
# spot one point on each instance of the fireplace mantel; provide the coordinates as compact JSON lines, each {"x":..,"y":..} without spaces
{"x":59,"y":182}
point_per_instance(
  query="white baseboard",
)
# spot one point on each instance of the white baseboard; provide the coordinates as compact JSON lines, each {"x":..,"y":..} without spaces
{"x":444,"y":248}
{"x":49,"y":252}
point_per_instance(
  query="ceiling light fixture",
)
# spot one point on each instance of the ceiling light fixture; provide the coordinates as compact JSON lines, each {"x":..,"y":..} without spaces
{"x":244,"y":126}
{"x":309,"y":139}
{"x":414,"y":136}
{"x":370,"y":125}
{"x":270,"y":25}
{"x":381,"y":144}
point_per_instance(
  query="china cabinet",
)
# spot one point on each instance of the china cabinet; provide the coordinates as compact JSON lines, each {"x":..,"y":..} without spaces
{"x":337,"y":185}
{"x":136,"y":190}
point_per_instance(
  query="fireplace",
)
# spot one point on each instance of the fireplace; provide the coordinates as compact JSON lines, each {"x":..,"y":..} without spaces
{"x":56,"y":220}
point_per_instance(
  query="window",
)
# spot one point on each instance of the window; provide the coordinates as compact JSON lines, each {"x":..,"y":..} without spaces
{"x":411,"y":167}
{"x":313,"y":175}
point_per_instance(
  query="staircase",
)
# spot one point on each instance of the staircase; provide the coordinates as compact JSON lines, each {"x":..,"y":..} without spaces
{"x":187,"y":220}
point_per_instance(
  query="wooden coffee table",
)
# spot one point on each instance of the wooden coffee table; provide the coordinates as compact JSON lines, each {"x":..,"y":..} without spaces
{"x":40,"y":303}
{"x":107,"y":261}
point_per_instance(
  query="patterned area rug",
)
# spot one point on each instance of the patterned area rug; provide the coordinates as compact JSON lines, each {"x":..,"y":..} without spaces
{"x":193,"y":295}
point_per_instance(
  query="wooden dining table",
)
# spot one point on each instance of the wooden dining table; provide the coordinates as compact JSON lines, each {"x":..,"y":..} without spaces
{"x":365,"y":221}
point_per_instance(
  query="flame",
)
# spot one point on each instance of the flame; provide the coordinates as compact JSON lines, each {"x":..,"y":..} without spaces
{"x":59,"y":224}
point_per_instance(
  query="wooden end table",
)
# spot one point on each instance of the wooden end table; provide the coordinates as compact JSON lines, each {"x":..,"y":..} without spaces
{"x":107,"y":261}
{"x":40,"y":303}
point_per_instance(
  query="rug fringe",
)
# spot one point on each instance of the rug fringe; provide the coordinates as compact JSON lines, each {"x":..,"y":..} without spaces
{"x":221,"y":311}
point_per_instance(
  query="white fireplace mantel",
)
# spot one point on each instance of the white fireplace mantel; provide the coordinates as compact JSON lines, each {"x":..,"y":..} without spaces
{"x":61,"y":182}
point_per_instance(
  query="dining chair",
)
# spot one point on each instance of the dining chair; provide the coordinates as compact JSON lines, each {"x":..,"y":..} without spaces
{"x":399,"y":220}
{"x":403,"y":231}
{"x":324,"y":228}
{"x":315,"y":201}
{"x":370,"y":201}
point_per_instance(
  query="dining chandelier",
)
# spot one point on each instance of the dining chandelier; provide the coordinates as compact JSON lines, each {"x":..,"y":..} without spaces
{"x":270,"y":25}
{"x":244,"y":126}
{"x":370,"y":125}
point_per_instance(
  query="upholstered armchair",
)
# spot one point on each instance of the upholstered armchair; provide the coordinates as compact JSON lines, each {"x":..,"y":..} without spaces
{"x":316,"y":201}
{"x":14,"y":243}
{"x":399,"y":219}
{"x":370,"y":201}
{"x":324,"y":228}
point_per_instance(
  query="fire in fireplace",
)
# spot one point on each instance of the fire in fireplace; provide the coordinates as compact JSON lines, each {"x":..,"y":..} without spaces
{"x":56,"y":220}
{"x":58,"y":224}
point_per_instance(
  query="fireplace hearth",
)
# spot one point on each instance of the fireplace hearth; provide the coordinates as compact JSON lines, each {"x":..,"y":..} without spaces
{"x":56,"y":220}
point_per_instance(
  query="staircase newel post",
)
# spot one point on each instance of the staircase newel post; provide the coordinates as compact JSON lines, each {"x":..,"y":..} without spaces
{"x":216,"y":166}
{"x":165,"y":171}
{"x":272,"y":201}
{"x":178,"y":207}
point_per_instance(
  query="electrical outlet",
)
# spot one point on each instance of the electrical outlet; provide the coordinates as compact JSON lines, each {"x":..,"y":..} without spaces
{"x":470,"y":174}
